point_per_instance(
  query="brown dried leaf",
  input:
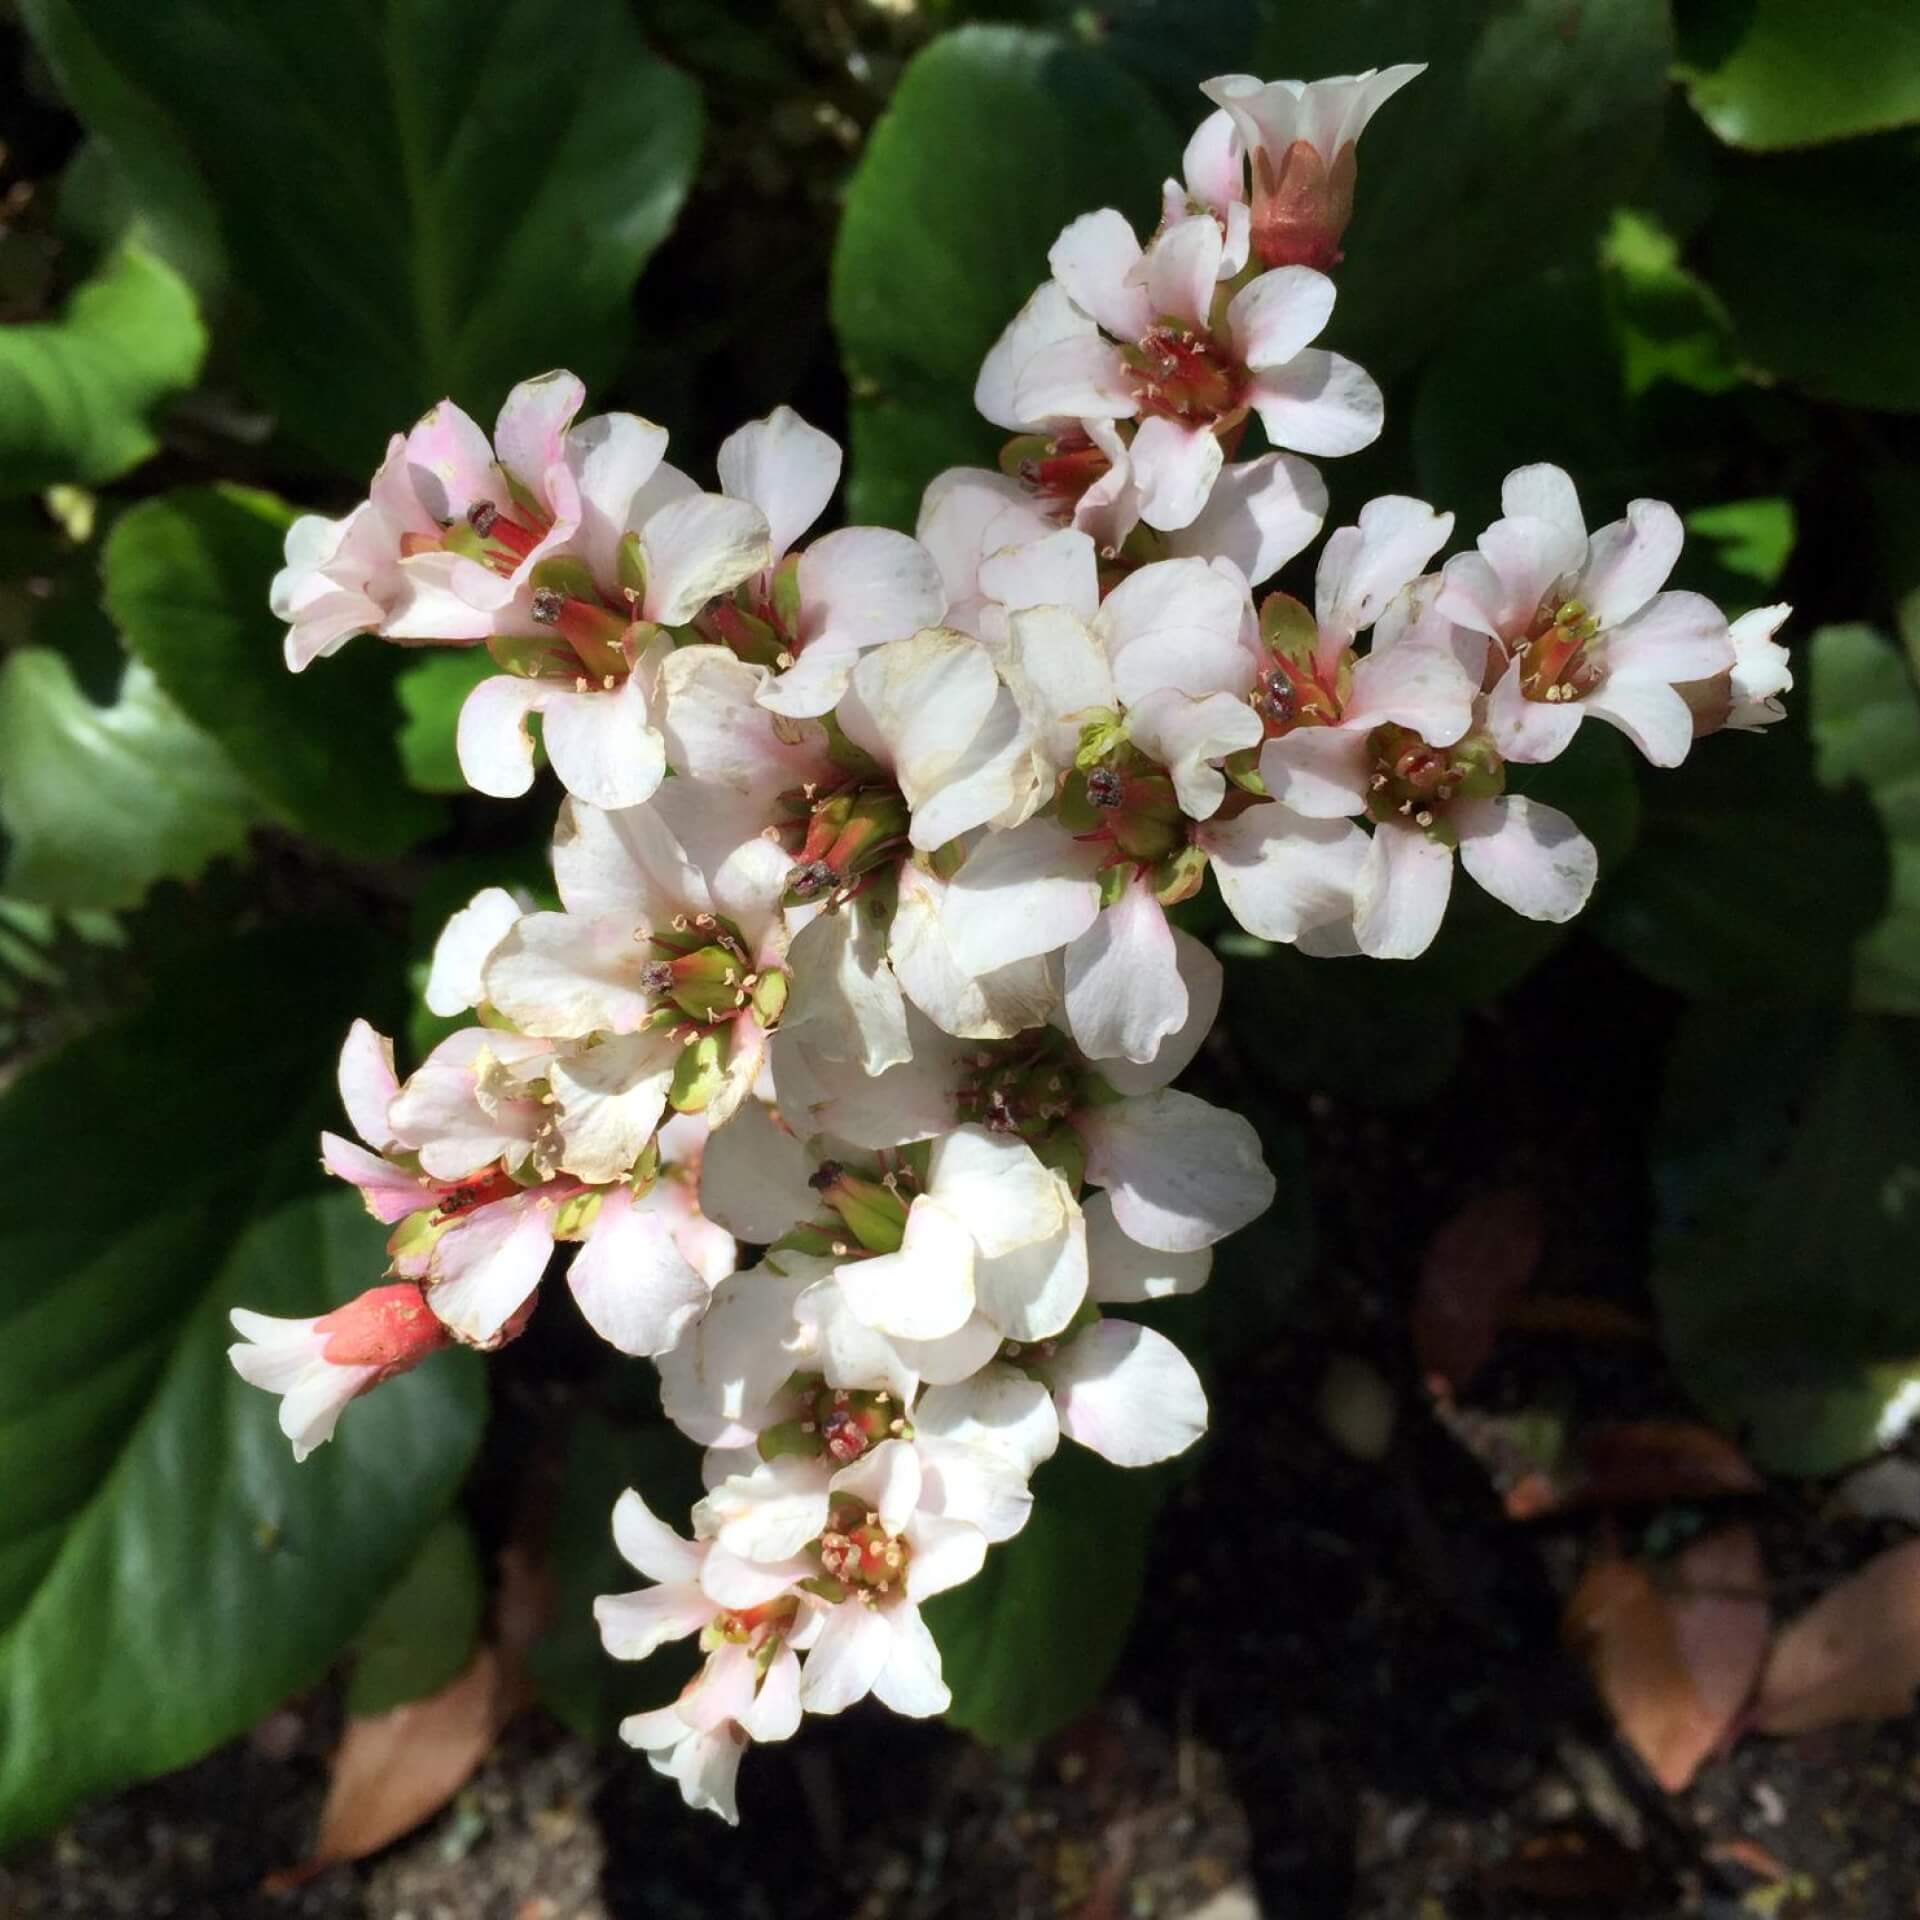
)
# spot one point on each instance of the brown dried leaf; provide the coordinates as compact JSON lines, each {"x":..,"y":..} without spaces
{"x":1675,"y":1659}
{"x":393,"y":1770}
{"x":1476,"y":1267}
{"x":1853,"y":1655}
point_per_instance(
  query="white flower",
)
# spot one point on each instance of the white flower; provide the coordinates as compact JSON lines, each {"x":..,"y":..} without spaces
{"x":1582,"y":622}
{"x":1747,"y":697}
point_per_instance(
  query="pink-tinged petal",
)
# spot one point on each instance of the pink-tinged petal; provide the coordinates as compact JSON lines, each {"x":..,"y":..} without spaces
{"x":560,"y":976}
{"x":1530,"y":857}
{"x":863,"y":586}
{"x":1203,"y":977}
{"x":1188,"y":737}
{"x":608,"y":1100}
{"x":1128,"y":1393}
{"x":946,"y":1553}
{"x":1181,"y":269}
{"x":722,"y":1691}
{"x":1109,"y":510}
{"x":1021,"y":894}
{"x":453,"y":981}
{"x":1400,"y":897}
{"x":846,"y":1660}
{"x":1363,"y":567}
{"x":1259,"y":515}
{"x":1214,"y":164}
{"x":1649,"y":713}
{"x":923,"y":1292}
{"x":1032,"y":1292}
{"x":1472,"y":593}
{"x":775,"y":1713}
{"x":1174,"y":468}
{"x":1275,"y":316}
{"x":624,"y":864}
{"x":1530,"y":731}
{"x":707,"y":1766}
{"x":910,"y":1683}
{"x":1529,"y":554}
{"x":1545,"y":492}
{"x":753,"y":1177}
{"x":612,"y":458}
{"x":696,"y":548}
{"x":1318,"y":402}
{"x":450,"y":463}
{"x":1048,"y":320}
{"x":1059,"y":569}
{"x":634,"y":1625}
{"x":493,"y":739}
{"x":734,"y":1582}
{"x":1093,"y":260}
{"x":1281,"y":872}
{"x":629,"y":1279}
{"x":1182,"y":1174}
{"x":1124,"y":994}
{"x":1320,"y":772}
{"x":1422,"y":684}
{"x":390,"y":1192}
{"x":1674,"y":637}
{"x":784,"y":467}
{"x":487,"y":1264}
{"x":956,"y":1356}
{"x":447,"y":598}
{"x":1629,"y":560}
{"x":1120,"y":1269}
{"x":991,"y":1006}
{"x":603,"y":744}
{"x":1267,"y":113}
{"x":368,"y":1083}
{"x":1178,"y":624}
{"x":648,"y":1545}
{"x":768,"y":1512}
{"x":1083,"y":378}
{"x":530,"y":435}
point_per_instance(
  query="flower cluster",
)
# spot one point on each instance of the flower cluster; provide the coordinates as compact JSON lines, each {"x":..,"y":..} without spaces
{"x":845,"y":1062}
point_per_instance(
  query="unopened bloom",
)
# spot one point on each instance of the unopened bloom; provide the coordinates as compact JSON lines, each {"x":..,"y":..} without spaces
{"x":316,"y":1366}
{"x":1746,"y":698}
{"x":1580,"y":623}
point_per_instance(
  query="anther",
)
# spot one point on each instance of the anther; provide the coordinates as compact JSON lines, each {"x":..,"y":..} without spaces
{"x":548,"y":605}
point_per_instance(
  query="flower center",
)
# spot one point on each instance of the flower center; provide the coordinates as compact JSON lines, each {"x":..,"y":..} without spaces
{"x":1559,"y":653}
{"x":850,"y":834}
{"x":859,"y":1552}
{"x":1058,"y":470}
{"x":1183,"y":374}
{"x":1417,"y":783}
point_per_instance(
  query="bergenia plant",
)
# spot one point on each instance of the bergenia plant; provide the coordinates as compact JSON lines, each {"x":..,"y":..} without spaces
{"x":842,"y":1067}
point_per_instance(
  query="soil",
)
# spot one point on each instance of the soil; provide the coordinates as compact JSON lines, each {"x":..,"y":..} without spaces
{"x":1346,"y":1695}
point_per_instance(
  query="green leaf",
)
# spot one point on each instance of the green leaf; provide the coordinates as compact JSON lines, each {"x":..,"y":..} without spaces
{"x":1751,"y":880}
{"x":995,"y":138}
{"x":425,"y":1630}
{"x":432,"y":692}
{"x":186,"y":579}
{"x":1532,"y":121}
{"x":1783,"y":73}
{"x":78,"y":394}
{"x":1670,"y":325}
{"x":1750,"y":540}
{"x":1027,"y":1644}
{"x":418,"y":198}
{"x":1866,"y":727}
{"x":1789,"y":1169}
{"x":166,"y":1573}
{"x":100,"y":802}
{"x":1821,"y":283}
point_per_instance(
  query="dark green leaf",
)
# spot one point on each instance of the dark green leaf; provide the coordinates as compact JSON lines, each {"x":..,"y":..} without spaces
{"x":78,"y":394}
{"x":418,"y":197}
{"x":1784,"y":73}
{"x":186,"y":579}
{"x":1028,"y":1643}
{"x":1789,"y":1163}
{"x":1866,"y":727}
{"x":166,"y":1572}
{"x":100,"y":802}
{"x":995,"y":139}
{"x":425,"y":1630}
{"x":432,"y":692}
{"x":1821,"y":280}
{"x":1670,"y":325}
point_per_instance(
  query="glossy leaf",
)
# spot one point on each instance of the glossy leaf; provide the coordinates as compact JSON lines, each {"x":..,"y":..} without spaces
{"x":995,"y":138}
{"x":100,"y":802}
{"x":425,"y":1630}
{"x":1781,"y":73}
{"x":78,"y":394}
{"x":418,"y":197}
{"x":1028,"y":1642}
{"x":432,"y":692}
{"x":186,"y":579}
{"x":1866,"y":727}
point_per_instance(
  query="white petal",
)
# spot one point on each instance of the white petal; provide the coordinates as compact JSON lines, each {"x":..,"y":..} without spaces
{"x":634,"y":1625}
{"x":491,"y":736}
{"x":1025,"y":892}
{"x":1530,"y":857}
{"x":608,"y":1101}
{"x":1048,"y":320}
{"x":767,"y":1514}
{"x":1060,"y":569}
{"x":846,"y":1660}
{"x":946,"y":1553}
{"x":925,"y":1290}
{"x":1277,"y":314}
{"x":989,"y":1006}
{"x":910,"y":1683}
{"x":557,"y":974}
{"x":998,"y":1186}
{"x":1675,"y":636}
{"x":1629,"y":560}
{"x":1649,"y":713}
{"x":487,"y":1264}
{"x":1128,"y":1393}
{"x":624,"y":865}
{"x":1202,"y":976}
{"x":528,"y":436}
{"x":1320,"y":772}
{"x":1319,"y":402}
{"x":886,"y":1479}
{"x":1282,"y":873}
{"x":785,"y":468}
{"x":697,"y":547}
{"x":1119,"y":1268}
{"x":719,"y":1384}
{"x":368,"y":1083}
{"x":775,"y":1713}
{"x":1545,"y":492}
{"x":845,"y":1000}
{"x":649,"y":1545}
{"x":1124,"y":993}
{"x":1174,"y":467}
{"x":1259,"y":515}
{"x":453,"y":980}
{"x":999,"y":1411}
{"x":1178,"y":624}
{"x":1363,"y":567}
{"x":753,"y":1177}
{"x":631,"y":1281}
{"x":862,"y":586}
{"x":1529,"y":731}
{"x":1182,"y":1174}
{"x":1093,"y":261}
{"x":1188,"y":736}
{"x":612,"y":457}
{"x":1400,"y":897}
{"x":1033,"y":1291}
{"x":1058,"y":672}
{"x":603,"y":744}
{"x":1181,"y":270}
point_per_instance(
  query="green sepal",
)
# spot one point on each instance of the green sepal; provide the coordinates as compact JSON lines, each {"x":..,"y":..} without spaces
{"x":645,"y":1170}
{"x":576,"y":1216}
{"x":1073,"y":809}
{"x":785,"y":595}
{"x":790,"y":1438}
{"x":1022,"y":452}
{"x":529,"y":656}
{"x":416,"y":1234}
{"x":769,"y":996}
{"x":1062,"y":1149}
{"x":809,"y":1238}
{"x":1178,"y":877}
{"x":1288,"y":629}
{"x":1112,"y":881}
{"x":699,"y":1073}
{"x":564,"y":573}
{"x":630,"y":568}
{"x":1100,"y":737}
{"x":1243,"y":769}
